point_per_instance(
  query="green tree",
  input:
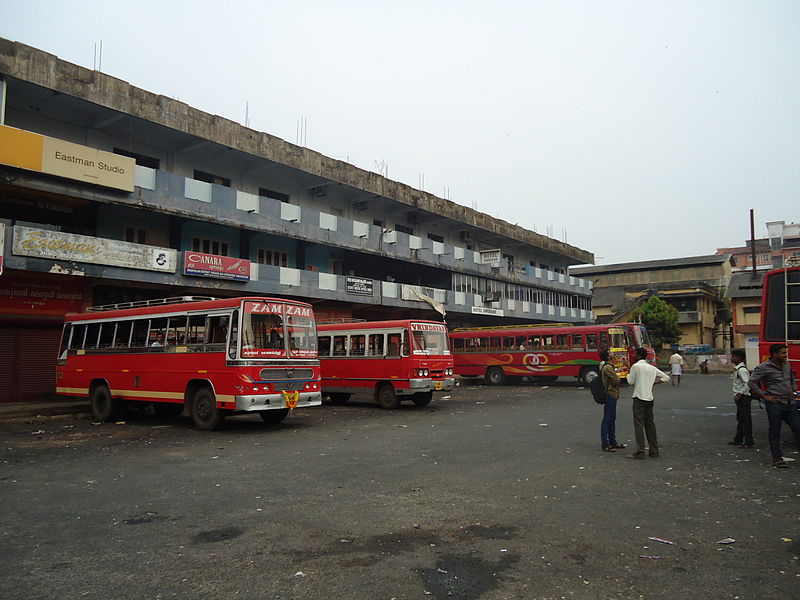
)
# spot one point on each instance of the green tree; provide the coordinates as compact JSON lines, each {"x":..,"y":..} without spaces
{"x":661,"y":320}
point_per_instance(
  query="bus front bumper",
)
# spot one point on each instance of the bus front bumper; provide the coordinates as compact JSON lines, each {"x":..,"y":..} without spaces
{"x":259,"y":402}
{"x":431,"y":385}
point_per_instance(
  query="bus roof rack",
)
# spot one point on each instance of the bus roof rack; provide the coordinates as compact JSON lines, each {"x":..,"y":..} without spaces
{"x":523,"y":326}
{"x":146,"y":303}
{"x":341,"y":321}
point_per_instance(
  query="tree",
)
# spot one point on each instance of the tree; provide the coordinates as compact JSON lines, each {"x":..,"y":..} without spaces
{"x":661,"y":320}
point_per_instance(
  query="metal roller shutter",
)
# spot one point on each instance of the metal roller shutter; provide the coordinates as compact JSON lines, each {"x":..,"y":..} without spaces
{"x":28,"y":359}
{"x":8,"y":351}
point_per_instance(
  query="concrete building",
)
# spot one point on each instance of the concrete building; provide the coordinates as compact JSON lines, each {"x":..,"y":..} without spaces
{"x":742,"y":256}
{"x":744,"y":292}
{"x":111,"y":193}
{"x":784,"y":240}
{"x":695,"y":286}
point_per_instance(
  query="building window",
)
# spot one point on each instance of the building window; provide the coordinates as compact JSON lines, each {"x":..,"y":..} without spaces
{"x":276,"y":258}
{"x":377,"y":223}
{"x":765,"y":257}
{"x":267,"y":193}
{"x":436,"y":238}
{"x":208,"y":246}
{"x":135,"y":235}
{"x":141,"y":159}
{"x":210,"y":178}
{"x":751,"y":310}
{"x":404,"y":229}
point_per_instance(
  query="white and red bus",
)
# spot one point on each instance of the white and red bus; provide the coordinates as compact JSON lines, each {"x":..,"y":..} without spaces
{"x":780,"y":314}
{"x":542,"y":353}
{"x":392,"y":360}
{"x":212,"y":357}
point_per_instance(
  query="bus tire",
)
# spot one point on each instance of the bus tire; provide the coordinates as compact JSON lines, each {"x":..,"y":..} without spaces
{"x":104,"y":407}
{"x":589,"y":374}
{"x":273,"y":417}
{"x":205,"y":413}
{"x":495,"y":376}
{"x":386,"y":397}
{"x":422,"y":398}
{"x":339,"y":397}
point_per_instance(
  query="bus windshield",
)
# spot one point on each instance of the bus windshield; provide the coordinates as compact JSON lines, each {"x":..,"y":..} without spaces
{"x":618,"y":337}
{"x":302,"y":334}
{"x":429,"y":339}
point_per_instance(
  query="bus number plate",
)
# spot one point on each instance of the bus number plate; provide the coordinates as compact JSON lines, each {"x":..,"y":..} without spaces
{"x":437,"y":385}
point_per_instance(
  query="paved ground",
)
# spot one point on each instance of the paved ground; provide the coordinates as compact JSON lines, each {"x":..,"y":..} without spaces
{"x":492,"y":493}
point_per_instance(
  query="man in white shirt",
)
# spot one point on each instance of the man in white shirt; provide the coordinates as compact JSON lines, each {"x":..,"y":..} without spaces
{"x":741,"y":396}
{"x":676,"y":366}
{"x":642,"y":377}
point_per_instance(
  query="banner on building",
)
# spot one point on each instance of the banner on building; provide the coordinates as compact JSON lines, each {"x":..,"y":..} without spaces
{"x":482,"y":310}
{"x":219,"y":267}
{"x":43,"y":243}
{"x":35,"y":152}
{"x":359,"y":285}
{"x":27,"y":292}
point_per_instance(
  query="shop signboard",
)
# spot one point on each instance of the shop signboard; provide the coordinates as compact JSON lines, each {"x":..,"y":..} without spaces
{"x":26,"y":292}
{"x":35,"y":152}
{"x":218,"y":267}
{"x":359,"y":285}
{"x":43,"y":243}
{"x":491,"y":257}
{"x":482,"y":310}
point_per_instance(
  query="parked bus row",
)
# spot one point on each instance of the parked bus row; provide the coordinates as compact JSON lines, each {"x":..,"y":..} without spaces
{"x":211,"y":357}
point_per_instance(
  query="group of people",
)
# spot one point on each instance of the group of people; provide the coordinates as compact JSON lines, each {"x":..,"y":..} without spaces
{"x":772,"y":381}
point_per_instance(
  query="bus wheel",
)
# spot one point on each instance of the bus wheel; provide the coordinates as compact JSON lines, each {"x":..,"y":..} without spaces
{"x":339,"y":398}
{"x":205,"y":414}
{"x":273,"y":417}
{"x":495,"y":376}
{"x":422,"y":398}
{"x":386,"y":397}
{"x":104,"y":407}
{"x":589,"y":374}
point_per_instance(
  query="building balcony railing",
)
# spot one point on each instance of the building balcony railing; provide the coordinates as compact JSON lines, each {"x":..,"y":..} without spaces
{"x":687,"y":317}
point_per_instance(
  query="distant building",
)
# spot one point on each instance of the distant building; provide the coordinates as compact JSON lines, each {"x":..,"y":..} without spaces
{"x":744,"y":292}
{"x":695,"y":286}
{"x":742,"y":256}
{"x":784,"y":241}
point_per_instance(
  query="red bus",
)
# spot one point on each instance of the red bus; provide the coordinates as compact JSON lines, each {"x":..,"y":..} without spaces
{"x":780,"y":314}
{"x":545,"y":352}
{"x":211,"y":357}
{"x":392,"y":360}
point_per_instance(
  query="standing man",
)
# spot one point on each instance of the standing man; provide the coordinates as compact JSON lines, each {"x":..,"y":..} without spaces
{"x":741,"y":396}
{"x":642,"y":377}
{"x":676,"y":365}
{"x":776,"y":378}
{"x":608,"y":428}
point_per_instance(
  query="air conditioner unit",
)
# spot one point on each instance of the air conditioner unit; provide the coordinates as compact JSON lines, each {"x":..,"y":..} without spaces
{"x":491,"y":297}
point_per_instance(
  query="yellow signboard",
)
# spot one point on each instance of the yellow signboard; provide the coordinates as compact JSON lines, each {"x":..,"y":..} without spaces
{"x":35,"y":152}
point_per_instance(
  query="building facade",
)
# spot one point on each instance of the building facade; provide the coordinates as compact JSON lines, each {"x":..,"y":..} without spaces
{"x":110,"y":194}
{"x":695,"y":286}
{"x":784,"y":240}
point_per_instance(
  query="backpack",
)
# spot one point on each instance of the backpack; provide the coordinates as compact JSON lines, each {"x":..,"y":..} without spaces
{"x":598,"y":390}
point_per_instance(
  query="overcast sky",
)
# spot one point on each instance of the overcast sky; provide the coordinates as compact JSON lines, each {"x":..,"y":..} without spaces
{"x":634,"y":129}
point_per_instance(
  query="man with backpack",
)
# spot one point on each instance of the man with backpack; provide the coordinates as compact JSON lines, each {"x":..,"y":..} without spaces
{"x":609,"y":380}
{"x":741,"y":396}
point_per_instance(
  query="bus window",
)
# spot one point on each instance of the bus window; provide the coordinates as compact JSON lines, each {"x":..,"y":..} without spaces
{"x":458,"y":345}
{"x":561,"y":342}
{"x":218,"y":330}
{"x":357,"y":345}
{"x":591,"y":341}
{"x":521,"y":343}
{"x":302,"y":334}
{"x":430,"y":339}
{"x":78,"y":333}
{"x":547,"y":343}
{"x":618,"y":338}
{"x":107,"y":335}
{"x":139,"y":336}
{"x":393,"y":343}
{"x":508,"y":344}
{"x":324,"y":345}
{"x":92,"y":334}
{"x":494,"y":343}
{"x":534,"y":343}
{"x":339,"y":345}
{"x":419,"y":341}
{"x":158,"y":332}
{"x":233,"y":346}
{"x":604,"y":341}
{"x":196,"y":333}
{"x":176,"y":332}
{"x":375,"y":347}
{"x":406,"y":344}
{"x":123,"y":335}
{"x":577,"y":342}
